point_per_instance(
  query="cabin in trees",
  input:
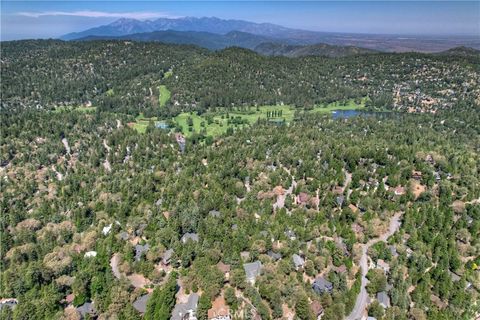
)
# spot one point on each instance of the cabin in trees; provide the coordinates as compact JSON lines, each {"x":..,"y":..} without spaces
{"x":322,"y":285}
{"x":187,"y":310}
{"x":252,"y":271}
{"x":219,"y":310}
{"x":8,"y":303}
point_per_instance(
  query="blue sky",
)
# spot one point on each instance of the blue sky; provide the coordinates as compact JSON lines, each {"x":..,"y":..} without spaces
{"x":43,"y":19}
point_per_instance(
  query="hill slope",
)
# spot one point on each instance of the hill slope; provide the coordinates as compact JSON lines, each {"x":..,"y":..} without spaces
{"x":320,"y":49}
{"x":207,"y":40}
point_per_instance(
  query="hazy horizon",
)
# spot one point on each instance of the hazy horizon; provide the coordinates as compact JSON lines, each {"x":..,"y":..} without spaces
{"x":42,"y":19}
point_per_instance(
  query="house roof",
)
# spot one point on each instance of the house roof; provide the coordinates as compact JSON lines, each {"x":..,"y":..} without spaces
{"x":87,"y":308}
{"x":383,"y":264}
{"x":140,"y":250}
{"x":69,"y":298}
{"x":167,"y":255}
{"x":141,"y":303}
{"x":214,"y":213}
{"x":383,"y":299}
{"x":8,"y":302}
{"x":340,"y":200}
{"x":316,"y":308}
{"x":181,"y":309}
{"x":303,"y":197}
{"x":190,"y":236}
{"x":322,"y":284}
{"x":298,"y":261}
{"x":353,"y":208}
{"x":219,"y":308}
{"x":252,"y":270}
{"x":341,"y":269}
{"x":123,"y":235}
{"x":275,"y":256}
{"x":223,"y":267}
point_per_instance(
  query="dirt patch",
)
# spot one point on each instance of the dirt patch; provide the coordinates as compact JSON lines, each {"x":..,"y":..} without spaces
{"x":417,"y":188}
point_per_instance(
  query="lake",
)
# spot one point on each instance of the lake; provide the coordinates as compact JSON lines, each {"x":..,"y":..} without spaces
{"x":345,"y":114}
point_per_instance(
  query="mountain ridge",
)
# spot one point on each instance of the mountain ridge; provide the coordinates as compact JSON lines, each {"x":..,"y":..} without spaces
{"x":277,"y":33}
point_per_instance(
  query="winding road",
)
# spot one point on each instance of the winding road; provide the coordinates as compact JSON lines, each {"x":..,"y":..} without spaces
{"x":362,"y":299}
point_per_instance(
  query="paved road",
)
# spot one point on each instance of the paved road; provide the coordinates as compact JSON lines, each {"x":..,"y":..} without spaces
{"x":362,"y":298}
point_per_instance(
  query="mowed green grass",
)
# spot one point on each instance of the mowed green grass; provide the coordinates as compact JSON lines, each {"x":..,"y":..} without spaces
{"x":350,"y":105}
{"x":164,"y":95}
{"x":219,"y":124}
{"x":141,"y":123}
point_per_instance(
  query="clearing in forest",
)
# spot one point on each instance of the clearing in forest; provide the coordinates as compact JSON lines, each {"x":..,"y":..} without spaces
{"x":164,"y":95}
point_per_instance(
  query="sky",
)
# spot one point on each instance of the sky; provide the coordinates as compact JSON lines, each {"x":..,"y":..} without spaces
{"x":50,"y":19}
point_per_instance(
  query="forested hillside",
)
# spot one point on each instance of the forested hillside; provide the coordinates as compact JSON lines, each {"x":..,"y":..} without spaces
{"x":319,"y":215}
{"x":74,"y":183}
{"x":124,"y":76}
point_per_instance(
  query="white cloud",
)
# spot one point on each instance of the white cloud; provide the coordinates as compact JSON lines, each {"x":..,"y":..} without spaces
{"x":98,"y":14}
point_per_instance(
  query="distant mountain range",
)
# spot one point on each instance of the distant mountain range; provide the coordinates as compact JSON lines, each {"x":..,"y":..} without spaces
{"x":215,"y":33}
{"x":125,"y":26}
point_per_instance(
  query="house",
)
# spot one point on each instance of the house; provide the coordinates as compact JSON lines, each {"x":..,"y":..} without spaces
{"x":187,"y":310}
{"x":180,"y":140}
{"x":167,"y":255}
{"x":245,"y":255}
{"x":298,"y":261}
{"x":214,"y":213}
{"x":140,"y":250}
{"x":219,"y":310}
{"x":455,"y":277}
{"x":341,"y":269}
{"x":321,"y":285}
{"x":340,"y":199}
{"x":417,"y":175}
{"x":437,"y":301}
{"x":303,"y":198}
{"x":317,"y":309}
{"x":383,"y":299}
{"x":141,"y":303}
{"x":275,"y":256}
{"x":106,"y":229}
{"x":353,"y":208}
{"x":393,"y":251}
{"x":69,"y":298}
{"x":8,"y":303}
{"x":140,"y":229}
{"x":252,"y":271}
{"x":357,"y":228}
{"x":399,"y":191}
{"x":123,"y":235}
{"x":90,"y":254}
{"x":189,"y":236}
{"x":381,"y":264}
{"x":225,"y":269}
{"x":290,"y":234}
{"x":88,"y":308}
{"x":337,"y":190}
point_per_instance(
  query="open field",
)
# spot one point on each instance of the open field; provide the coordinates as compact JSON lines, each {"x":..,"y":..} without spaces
{"x":217,"y":123}
{"x":164,"y":95}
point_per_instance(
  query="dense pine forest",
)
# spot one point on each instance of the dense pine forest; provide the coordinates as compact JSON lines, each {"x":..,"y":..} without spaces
{"x":276,"y":220}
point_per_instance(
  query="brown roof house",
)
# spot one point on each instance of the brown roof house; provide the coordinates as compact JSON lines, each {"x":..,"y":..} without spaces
{"x":219,"y":310}
{"x":225,"y":269}
{"x":317,"y":309}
